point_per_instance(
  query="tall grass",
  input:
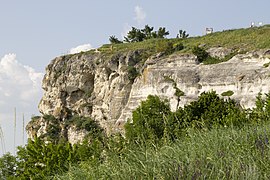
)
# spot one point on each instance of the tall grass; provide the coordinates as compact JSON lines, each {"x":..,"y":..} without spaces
{"x":227,"y":153}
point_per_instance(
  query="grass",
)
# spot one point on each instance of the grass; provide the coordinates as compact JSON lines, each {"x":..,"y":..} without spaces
{"x":248,"y":39}
{"x":227,"y":153}
{"x":239,"y":40}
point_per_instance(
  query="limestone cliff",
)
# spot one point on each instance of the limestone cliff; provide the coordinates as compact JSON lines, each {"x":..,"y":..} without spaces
{"x":92,"y":85}
{"x":108,"y":84}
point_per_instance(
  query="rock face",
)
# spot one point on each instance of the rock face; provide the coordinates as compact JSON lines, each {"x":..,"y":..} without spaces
{"x":100,"y":87}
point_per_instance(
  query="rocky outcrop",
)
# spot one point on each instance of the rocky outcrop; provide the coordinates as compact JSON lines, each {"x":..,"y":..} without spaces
{"x":98,"y":86}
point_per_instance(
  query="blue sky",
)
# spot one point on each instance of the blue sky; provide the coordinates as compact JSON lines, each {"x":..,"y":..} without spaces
{"x":37,"y":31}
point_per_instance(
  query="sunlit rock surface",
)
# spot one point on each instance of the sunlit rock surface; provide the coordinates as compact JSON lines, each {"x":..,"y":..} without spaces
{"x":99,"y":87}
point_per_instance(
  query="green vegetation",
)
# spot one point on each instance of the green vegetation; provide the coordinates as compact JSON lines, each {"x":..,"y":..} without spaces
{"x":228,"y":153}
{"x":208,"y":138}
{"x":182,"y":34}
{"x":227,"y":93}
{"x":86,"y":123}
{"x":178,"y":93}
{"x":201,"y":54}
{"x":7,"y":164}
{"x":138,"y":35}
{"x":132,"y":73}
{"x":266,"y":65}
{"x":114,"y":40}
{"x":239,"y":40}
{"x":148,"y":121}
{"x":211,"y":138}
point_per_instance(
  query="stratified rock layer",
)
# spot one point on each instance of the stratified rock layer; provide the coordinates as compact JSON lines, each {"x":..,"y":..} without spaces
{"x":99,"y":87}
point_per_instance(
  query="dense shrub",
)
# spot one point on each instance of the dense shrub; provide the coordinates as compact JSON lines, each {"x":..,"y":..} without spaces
{"x":148,"y":120}
{"x":200,"y":53}
{"x":164,"y":46}
{"x":178,"y":46}
{"x":38,"y":159}
{"x":153,"y":120}
{"x":132,"y":73}
{"x":8,"y":165}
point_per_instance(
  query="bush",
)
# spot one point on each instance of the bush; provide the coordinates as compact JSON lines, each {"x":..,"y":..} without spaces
{"x":178,"y":47}
{"x":8,"y":165}
{"x":148,"y":120}
{"x":132,"y":73}
{"x":164,"y":46}
{"x":200,"y":53}
{"x":88,"y":124}
{"x":40,"y":160}
{"x":210,"y":110}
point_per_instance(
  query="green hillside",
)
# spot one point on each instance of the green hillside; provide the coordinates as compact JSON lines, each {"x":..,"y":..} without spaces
{"x":238,"y":39}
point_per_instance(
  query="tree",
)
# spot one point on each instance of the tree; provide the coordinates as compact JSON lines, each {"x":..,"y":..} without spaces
{"x":148,"y":31}
{"x":138,"y":35}
{"x":182,"y":34}
{"x":162,"y":32}
{"x":114,"y":40}
{"x":135,"y":35}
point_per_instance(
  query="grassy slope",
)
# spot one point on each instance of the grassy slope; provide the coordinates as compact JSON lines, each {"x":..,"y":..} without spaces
{"x":245,"y":39}
{"x":227,"y":153}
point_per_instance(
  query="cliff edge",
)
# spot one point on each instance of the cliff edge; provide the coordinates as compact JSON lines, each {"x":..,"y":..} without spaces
{"x":107,"y":85}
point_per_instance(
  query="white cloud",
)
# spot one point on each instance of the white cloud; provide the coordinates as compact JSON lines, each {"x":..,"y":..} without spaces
{"x":140,"y":15}
{"x":20,"y":87}
{"x":80,"y":48}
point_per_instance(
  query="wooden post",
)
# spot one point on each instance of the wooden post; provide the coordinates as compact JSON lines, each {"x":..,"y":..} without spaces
{"x":23,"y":129}
{"x":14,"y":130}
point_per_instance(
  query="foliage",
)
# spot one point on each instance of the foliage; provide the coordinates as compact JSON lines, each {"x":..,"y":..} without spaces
{"x":161,"y":33}
{"x":182,"y":34}
{"x":114,"y":40}
{"x":208,"y":138}
{"x":165,"y":47}
{"x":8,"y":165}
{"x":219,"y":153}
{"x":148,"y":31}
{"x":214,"y":60}
{"x":135,"y":35}
{"x":200,"y":53}
{"x":241,"y":40}
{"x":86,"y":123}
{"x":132,"y":73}
{"x":261,"y":112}
{"x":227,"y":93}
{"x":153,"y":121}
{"x":39,"y":159}
{"x":148,"y":120}
{"x":138,"y":35}
{"x":178,"y":93}
{"x":178,"y":46}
